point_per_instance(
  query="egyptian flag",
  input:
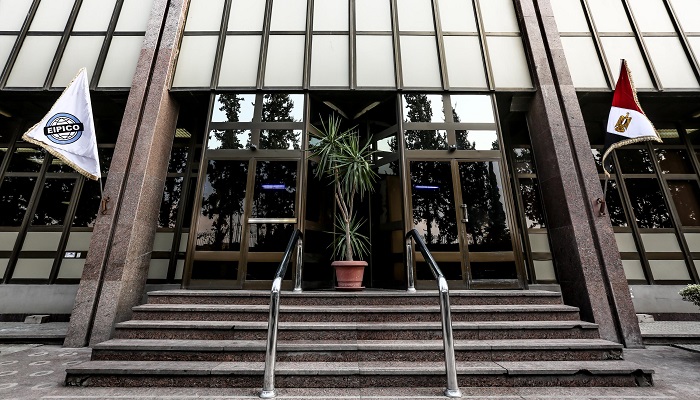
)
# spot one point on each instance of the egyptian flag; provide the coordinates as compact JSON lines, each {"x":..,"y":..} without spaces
{"x":68,"y":130}
{"x":627,"y":123}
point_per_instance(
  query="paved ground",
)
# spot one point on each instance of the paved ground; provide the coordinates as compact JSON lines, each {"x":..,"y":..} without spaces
{"x":37,"y":372}
{"x":690,"y":328}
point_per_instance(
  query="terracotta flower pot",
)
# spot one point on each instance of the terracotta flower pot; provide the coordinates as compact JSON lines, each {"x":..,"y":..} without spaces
{"x":349,"y":274}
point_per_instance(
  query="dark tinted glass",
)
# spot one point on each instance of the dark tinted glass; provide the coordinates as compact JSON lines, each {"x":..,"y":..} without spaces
{"x":493,"y":270}
{"x":532,"y":205}
{"x":451,"y":270}
{"x":178,"y":160}
{"x":648,"y":203}
{"x":635,"y":161}
{"x":26,"y":159}
{"x":674,"y":161}
{"x":172,"y":192}
{"x":434,"y":213}
{"x":686,"y":197}
{"x":55,"y":199}
{"x":269,"y":237}
{"x":88,"y":205}
{"x":614,"y":205}
{"x":523,"y":161}
{"x":15,"y":193}
{"x":275,"y":189}
{"x":215,"y":270}
{"x":426,"y":140}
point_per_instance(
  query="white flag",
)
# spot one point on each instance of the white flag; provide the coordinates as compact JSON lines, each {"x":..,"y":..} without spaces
{"x":68,"y":130}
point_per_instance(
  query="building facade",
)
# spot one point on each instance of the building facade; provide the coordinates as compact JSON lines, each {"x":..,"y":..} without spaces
{"x":487,"y":118}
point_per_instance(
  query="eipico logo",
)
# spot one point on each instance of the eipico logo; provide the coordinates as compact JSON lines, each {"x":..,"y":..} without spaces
{"x":63,"y":128}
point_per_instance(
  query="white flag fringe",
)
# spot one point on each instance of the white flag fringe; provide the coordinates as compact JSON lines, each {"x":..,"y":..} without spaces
{"x":68,"y":130}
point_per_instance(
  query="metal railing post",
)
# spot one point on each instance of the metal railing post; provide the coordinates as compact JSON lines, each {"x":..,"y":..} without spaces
{"x":300,"y":265}
{"x":448,"y":340}
{"x":409,"y":267}
{"x":268,"y":391}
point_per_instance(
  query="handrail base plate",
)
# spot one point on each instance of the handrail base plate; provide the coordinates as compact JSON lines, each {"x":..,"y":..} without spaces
{"x":455,"y":393}
{"x":269,"y":394}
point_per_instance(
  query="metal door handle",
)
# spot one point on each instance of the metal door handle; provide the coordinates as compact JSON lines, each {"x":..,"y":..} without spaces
{"x":465,"y":213}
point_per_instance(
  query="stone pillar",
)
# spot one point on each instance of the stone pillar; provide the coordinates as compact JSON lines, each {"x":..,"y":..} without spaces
{"x":118,"y":259}
{"x":583,"y":244}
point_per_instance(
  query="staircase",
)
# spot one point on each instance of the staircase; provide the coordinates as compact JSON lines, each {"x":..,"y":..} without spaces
{"x":368,"y":339}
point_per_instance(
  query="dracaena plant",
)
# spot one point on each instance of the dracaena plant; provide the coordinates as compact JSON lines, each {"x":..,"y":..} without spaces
{"x":348,"y":163}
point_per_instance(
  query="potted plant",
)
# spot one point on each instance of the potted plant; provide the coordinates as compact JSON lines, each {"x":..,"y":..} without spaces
{"x":348,"y":164}
{"x":691,"y":293}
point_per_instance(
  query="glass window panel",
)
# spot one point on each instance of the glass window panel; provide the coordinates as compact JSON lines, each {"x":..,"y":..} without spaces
{"x":288,"y":15}
{"x":482,"y":191}
{"x":331,"y":15}
{"x":71,"y":268}
{"x":204,"y":15}
{"x":120,"y":64}
{"x":215,"y":270}
{"x":651,"y":16}
{"x":6,"y":44}
{"x":178,"y":160}
{"x":499,"y":16}
{"x":239,"y":66}
{"x":223,"y":206}
{"x":265,"y":270}
{"x":41,"y":241}
{"x":54,"y":202}
{"x":617,"y":48}
{"x":687,"y":12}
{"x":172,"y":192}
{"x":477,"y":140}
{"x":79,"y":241}
{"x":584,"y":64}
{"x":81,"y":51}
{"x":457,"y":16}
{"x":613,"y":204}
{"x":635,"y":161}
{"x":372,"y":15}
{"x":671,"y":63}
{"x":375,"y":61}
{"x":330,"y":64}
{"x":419,"y":62}
{"x":94,"y":16}
{"x":88,"y":205}
{"x":105,"y":158}
{"x":246,"y":15}
{"x":669,"y":270}
{"x":284,"y":139}
{"x":465,"y":66}
{"x":13,"y":13}
{"x":532,"y":205}
{"x":674,"y":161}
{"x":229,"y":139}
{"x":472,"y":108}
{"x":285,"y":61}
{"x":134,"y":16}
{"x":269,"y":237}
{"x":426,"y":140}
{"x":686,"y":197}
{"x":609,"y":16}
{"x":27,"y":159}
{"x":33,"y":61}
{"x":508,"y":62}
{"x":451,"y":270}
{"x":33,"y":268}
{"x":51,"y":16}
{"x":416,"y":15}
{"x":493,"y":270}
{"x":523,"y":162}
{"x":434,"y":214}
{"x":275,"y":190}
{"x":7,"y":241}
{"x":569,"y":16}
{"x":423,"y":108}
{"x":648,"y":203}
{"x":234,"y":108}
{"x":282,"y":107}
{"x":196,"y":61}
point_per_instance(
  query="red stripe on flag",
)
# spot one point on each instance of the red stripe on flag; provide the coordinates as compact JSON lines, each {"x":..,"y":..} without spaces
{"x":624,"y":96}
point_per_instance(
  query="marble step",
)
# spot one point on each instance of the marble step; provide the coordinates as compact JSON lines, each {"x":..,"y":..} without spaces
{"x":233,"y":330}
{"x":358,"y":374}
{"x":358,"y":350}
{"x":394,"y":313}
{"x":368,"y":297}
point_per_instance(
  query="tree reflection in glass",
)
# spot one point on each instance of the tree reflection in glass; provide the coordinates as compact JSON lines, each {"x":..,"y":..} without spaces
{"x":613,"y":204}
{"x":635,"y":161}
{"x":482,"y":193}
{"x":530,"y":192}
{"x":433,"y":204}
{"x":231,"y":105}
{"x":54,"y":202}
{"x":280,"y":107}
{"x":172,"y":192}
{"x":420,"y":108}
{"x":648,"y":203}
{"x":15,"y":193}
{"x":686,"y":197}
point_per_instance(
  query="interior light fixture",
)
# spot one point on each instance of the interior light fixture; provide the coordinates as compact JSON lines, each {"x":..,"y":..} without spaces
{"x":369,"y":107}
{"x":5,"y":113}
{"x":338,"y":110}
{"x":696,"y":115}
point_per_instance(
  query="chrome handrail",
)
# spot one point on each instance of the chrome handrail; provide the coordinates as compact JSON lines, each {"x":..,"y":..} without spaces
{"x":452,"y":389}
{"x":268,"y":390}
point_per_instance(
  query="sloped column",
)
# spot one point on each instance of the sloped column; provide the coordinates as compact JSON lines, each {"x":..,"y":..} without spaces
{"x":116,"y":268}
{"x":583,"y":244}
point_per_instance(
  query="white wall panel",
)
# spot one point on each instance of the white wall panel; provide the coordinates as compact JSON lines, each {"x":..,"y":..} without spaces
{"x":419,"y":62}
{"x":3,"y":265}
{"x":539,"y":242}
{"x":331,"y":15}
{"x":285,"y":61}
{"x":375,"y":61}
{"x":204,"y":15}
{"x":609,"y":16}
{"x":651,"y":16}
{"x":163,"y":241}
{"x":239,"y":64}
{"x":179,"y":268}
{"x":498,"y":16}
{"x":158,"y":269}
{"x":13,"y":13}
{"x":617,"y":48}
{"x":51,"y":16}
{"x":196,"y":61}
{"x":33,"y":268}
{"x":94,"y":16}
{"x":669,"y":270}
{"x":330,"y":65}
{"x":6,"y":44}
{"x":625,"y":242}
{"x":288,"y":15}
{"x":671,"y":63}
{"x":79,"y":241}
{"x":633,"y":269}
{"x":544,"y":270}
{"x":246,"y":15}
{"x":416,"y":15}
{"x":71,"y":268}
{"x":465,"y":65}
{"x":660,"y":242}
{"x":695,"y":46}
{"x":33,"y":62}
{"x":457,"y":16}
{"x":81,"y":51}
{"x":569,"y":16}
{"x":687,"y":12}
{"x":134,"y":16}
{"x":41,"y":241}
{"x":508,"y":62}
{"x":7,"y":241}
{"x":372,"y":15}
{"x":120,"y":64}
{"x":584,"y":65}
{"x":183,"y":242}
